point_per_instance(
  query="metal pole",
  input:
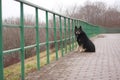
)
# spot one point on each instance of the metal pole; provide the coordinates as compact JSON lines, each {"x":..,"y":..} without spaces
{"x":22,"y":40}
{"x":69,"y":34}
{"x":72,"y":35}
{"x":55,"y":37}
{"x":75,"y":40}
{"x":65,"y":35}
{"x":37,"y":40}
{"x":47,"y":39}
{"x":61,"y":41}
{"x":1,"y":44}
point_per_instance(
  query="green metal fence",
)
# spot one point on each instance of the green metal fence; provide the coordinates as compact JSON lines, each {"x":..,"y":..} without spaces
{"x":67,"y":29}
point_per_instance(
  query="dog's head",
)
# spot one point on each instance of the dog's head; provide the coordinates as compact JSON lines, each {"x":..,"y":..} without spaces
{"x":78,"y":30}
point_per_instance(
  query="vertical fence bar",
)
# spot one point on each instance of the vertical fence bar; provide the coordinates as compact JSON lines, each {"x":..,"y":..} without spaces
{"x":75,"y":40}
{"x":77,"y":23}
{"x":55,"y":37}
{"x":1,"y":44}
{"x":72,"y":35}
{"x":61,"y":41}
{"x":37,"y":39}
{"x":22,"y":40}
{"x":65,"y":35}
{"x":69,"y":34}
{"x":74,"y":24}
{"x":47,"y":39}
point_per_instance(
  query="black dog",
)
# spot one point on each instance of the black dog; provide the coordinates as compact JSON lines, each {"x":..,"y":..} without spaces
{"x":83,"y":40}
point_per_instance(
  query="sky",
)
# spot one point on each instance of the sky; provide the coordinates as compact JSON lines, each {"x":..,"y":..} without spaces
{"x":11,"y":8}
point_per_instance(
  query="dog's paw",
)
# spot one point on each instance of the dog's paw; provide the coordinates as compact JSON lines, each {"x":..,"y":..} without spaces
{"x":80,"y":50}
{"x":83,"y":50}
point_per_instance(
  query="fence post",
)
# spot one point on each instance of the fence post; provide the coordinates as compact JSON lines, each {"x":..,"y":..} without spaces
{"x":37,"y":39}
{"x":61,"y":41}
{"x":69,"y":34}
{"x":22,"y":40}
{"x":65,"y":35}
{"x":55,"y":39}
{"x":47,"y":39}
{"x":1,"y":44}
{"x":75,"y":37}
{"x":78,"y":23}
{"x":72,"y":35}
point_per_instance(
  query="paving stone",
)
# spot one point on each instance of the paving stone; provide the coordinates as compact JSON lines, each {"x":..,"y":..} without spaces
{"x":102,"y":65}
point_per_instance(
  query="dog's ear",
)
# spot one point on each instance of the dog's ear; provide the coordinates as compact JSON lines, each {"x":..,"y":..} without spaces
{"x":75,"y":27}
{"x":80,"y":27}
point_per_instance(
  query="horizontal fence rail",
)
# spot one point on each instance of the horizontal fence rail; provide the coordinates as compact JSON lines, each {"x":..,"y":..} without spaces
{"x":66,"y":26}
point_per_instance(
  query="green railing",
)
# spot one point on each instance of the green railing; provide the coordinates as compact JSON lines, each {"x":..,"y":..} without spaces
{"x":69,"y":37}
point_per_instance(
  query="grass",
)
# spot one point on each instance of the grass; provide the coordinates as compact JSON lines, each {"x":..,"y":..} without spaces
{"x":13,"y":72}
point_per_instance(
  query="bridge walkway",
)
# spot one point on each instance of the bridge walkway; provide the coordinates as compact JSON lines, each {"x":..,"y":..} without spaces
{"x":104,"y":64}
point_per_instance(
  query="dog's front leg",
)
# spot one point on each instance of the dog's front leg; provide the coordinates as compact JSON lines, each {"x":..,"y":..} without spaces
{"x":80,"y":48}
{"x":83,"y":50}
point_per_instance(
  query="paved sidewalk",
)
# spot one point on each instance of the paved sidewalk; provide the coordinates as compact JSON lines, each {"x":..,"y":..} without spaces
{"x":104,"y":64}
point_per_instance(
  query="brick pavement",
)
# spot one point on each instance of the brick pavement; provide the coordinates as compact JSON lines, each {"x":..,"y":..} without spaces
{"x":104,"y":64}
